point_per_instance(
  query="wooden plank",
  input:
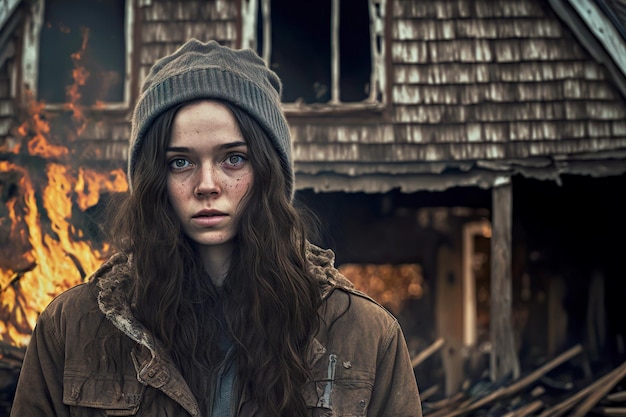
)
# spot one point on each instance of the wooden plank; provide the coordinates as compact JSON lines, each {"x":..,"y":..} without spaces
{"x":565,"y":405}
{"x":452,"y":409}
{"x":526,"y":410}
{"x":429,"y":392}
{"x":593,"y":398}
{"x":610,"y":411}
{"x":428,"y":352}
{"x":617,"y":396}
{"x":527,"y":380}
{"x":503,"y":359}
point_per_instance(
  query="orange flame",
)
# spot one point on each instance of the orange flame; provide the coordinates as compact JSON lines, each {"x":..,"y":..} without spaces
{"x":80,"y":76}
{"x":61,"y":258}
{"x":56,"y":255}
{"x":37,"y":127}
{"x":90,"y":184}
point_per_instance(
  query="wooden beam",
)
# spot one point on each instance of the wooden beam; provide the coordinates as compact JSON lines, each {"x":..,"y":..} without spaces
{"x":428,"y":352}
{"x":526,"y":410}
{"x":470,"y":405}
{"x":503,"y":361}
{"x":609,"y":383}
{"x":564,"y":406}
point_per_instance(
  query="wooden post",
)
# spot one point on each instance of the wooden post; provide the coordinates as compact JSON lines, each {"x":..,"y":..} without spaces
{"x":449,"y":315}
{"x":503,"y":359}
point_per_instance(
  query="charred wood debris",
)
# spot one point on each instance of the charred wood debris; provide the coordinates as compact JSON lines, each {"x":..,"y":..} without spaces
{"x":562,"y":386}
{"x":566,"y":385}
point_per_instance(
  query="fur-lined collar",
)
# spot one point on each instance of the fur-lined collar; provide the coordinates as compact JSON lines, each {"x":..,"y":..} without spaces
{"x":113,"y":279}
{"x":321,"y":263}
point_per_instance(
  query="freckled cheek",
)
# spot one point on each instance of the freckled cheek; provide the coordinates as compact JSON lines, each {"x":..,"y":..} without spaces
{"x":176,"y":190}
{"x":242,"y":183}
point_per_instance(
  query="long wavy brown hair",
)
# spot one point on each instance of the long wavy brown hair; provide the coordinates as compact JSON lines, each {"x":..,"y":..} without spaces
{"x":267,"y":308}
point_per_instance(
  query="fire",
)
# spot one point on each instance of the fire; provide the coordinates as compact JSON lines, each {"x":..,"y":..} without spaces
{"x":36,"y":126}
{"x":390,"y":285}
{"x":79,"y":75}
{"x":90,"y":184}
{"x":44,"y":252}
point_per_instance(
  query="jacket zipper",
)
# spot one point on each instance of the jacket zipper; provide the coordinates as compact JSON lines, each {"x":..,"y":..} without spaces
{"x":324,"y":401}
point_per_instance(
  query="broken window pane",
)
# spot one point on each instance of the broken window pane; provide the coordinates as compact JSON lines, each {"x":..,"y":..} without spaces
{"x":301,"y":49}
{"x":355,"y":51}
{"x":97,"y":26}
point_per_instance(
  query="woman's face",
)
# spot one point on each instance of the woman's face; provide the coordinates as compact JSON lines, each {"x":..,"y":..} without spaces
{"x":208,"y":172}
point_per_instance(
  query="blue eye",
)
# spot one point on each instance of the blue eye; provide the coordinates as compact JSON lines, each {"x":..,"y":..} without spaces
{"x":179,"y":163}
{"x":235,"y":159}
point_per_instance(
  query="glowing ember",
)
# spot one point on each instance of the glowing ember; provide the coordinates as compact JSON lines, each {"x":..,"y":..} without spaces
{"x":390,"y":285}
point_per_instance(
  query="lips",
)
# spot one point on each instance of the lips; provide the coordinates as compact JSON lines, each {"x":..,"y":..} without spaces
{"x":208,"y":213}
{"x":209,"y":218}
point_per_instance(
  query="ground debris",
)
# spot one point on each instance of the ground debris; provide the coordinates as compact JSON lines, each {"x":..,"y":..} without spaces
{"x":551,"y":390}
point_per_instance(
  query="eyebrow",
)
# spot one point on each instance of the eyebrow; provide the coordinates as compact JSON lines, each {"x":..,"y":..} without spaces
{"x":220,"y":147}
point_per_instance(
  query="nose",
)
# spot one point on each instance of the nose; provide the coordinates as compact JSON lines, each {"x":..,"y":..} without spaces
{"x":208,"y":183}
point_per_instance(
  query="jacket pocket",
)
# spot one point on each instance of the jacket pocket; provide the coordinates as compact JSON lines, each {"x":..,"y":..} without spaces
{"x":102,"y":394}
{"x":339,"y":390}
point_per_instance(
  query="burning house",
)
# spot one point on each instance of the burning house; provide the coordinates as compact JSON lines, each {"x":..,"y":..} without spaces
{"x":467,"y":158}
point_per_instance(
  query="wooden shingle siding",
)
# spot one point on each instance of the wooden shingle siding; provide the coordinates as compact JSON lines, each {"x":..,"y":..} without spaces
{"x":177,"y":32}
{"x":478,"y":81}
{"x":7,"y":103}
{"x":454,"y":9}
{"x":115,"y":130}
{"x":619,"y":128}
{"x":219,"y":10}
{"x":6,"y":109}
{"x":104,"y":140}
{"x":451,"y":151}
{"x":487,"y":81}
{"x":165,"y":25}
{"x":363,"y":133}
{"x":452,"y":73}
{"x":175,"y":22}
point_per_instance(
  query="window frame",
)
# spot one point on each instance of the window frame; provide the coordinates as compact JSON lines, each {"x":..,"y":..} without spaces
{"x":31,"y":54}
{"x":377,"y":99}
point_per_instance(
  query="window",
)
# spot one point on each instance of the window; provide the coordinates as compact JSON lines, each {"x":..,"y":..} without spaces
{"x":85,"y":44}
{"x":326,"y":52}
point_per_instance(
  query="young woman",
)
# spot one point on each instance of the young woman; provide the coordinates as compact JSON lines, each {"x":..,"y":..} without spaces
{"x":215,"y":304}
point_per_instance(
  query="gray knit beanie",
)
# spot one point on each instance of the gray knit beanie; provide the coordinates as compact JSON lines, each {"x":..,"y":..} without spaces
{"x":208,"y":70}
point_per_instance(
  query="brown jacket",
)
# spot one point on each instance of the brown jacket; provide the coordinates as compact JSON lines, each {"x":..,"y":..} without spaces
{"x":360,"y":365}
